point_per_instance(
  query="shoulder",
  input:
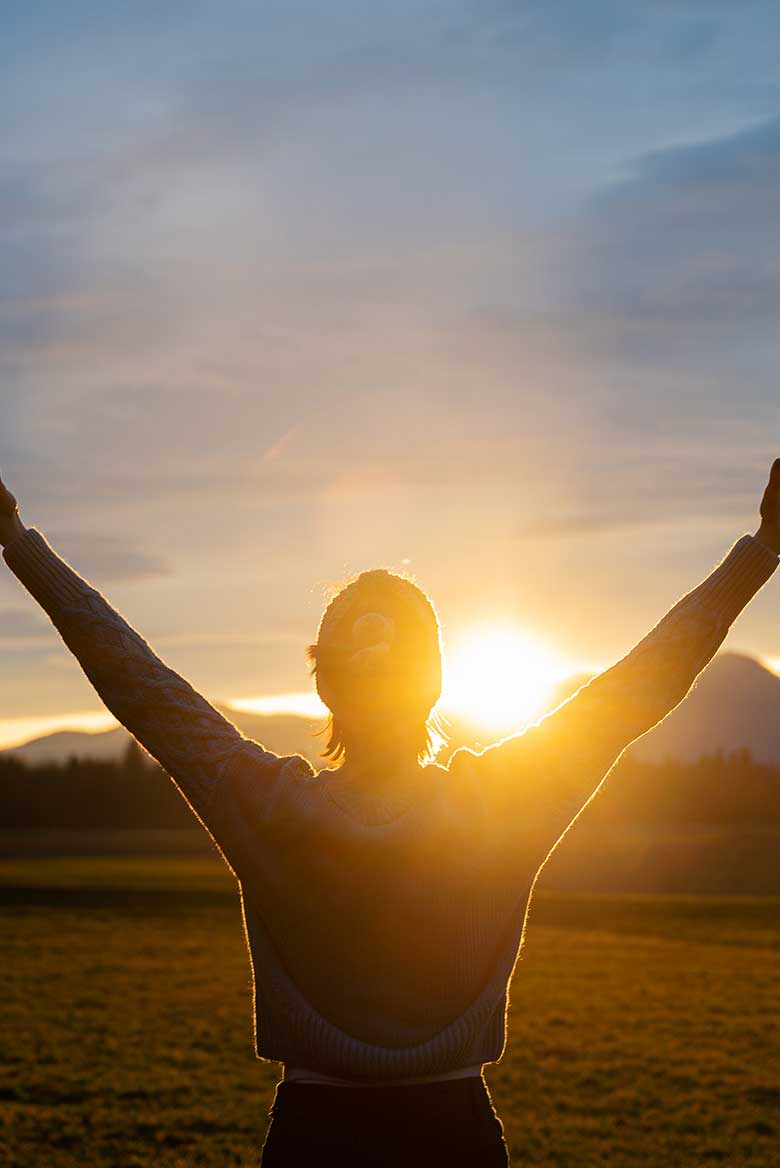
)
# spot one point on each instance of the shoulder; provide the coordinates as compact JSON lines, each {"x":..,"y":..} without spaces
{"x":257,"y":778}
{"x":252,"y":758}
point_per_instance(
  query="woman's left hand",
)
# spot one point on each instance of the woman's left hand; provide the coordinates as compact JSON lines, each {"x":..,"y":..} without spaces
{"x":10,"y":523}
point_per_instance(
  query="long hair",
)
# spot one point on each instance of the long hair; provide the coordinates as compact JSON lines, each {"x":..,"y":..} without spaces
{"x":377,"y":662}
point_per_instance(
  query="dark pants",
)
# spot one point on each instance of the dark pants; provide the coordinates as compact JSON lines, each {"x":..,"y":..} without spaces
{"x":450,"y":1123}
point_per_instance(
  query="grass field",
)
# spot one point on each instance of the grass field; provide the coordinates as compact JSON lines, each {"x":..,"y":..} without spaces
{"x":644,"y":1031}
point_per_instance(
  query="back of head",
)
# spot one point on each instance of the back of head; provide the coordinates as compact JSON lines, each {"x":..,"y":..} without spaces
{"x":377,"y":662}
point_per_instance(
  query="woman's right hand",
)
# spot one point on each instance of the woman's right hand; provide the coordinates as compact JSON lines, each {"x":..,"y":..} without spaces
{"x":10,"y":523}
{"x":769,"y":531}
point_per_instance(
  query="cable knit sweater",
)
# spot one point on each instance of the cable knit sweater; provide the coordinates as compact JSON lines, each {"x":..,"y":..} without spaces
{"x":384,"y":924}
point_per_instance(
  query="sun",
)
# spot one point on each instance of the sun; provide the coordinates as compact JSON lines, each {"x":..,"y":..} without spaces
{"x":499,"y":676}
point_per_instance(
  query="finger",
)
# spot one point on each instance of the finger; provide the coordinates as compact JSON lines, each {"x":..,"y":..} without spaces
{"x":8,"y":503}
{"x":772,"y":489}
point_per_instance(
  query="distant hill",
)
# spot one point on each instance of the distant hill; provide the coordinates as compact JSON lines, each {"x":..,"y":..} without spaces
{"x":282,"y":733}
{"x":735,"y":704}
{"x":107,"y":746}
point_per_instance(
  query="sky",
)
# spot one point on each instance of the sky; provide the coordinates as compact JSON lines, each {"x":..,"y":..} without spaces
{"x":482,"y":292}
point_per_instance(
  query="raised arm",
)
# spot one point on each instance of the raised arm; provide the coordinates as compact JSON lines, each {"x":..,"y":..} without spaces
{"x":548,"y":773}
{"x":188,"y":737}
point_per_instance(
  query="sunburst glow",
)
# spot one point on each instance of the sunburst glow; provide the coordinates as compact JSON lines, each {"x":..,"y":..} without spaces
{"x":307,"y":705}
{"x":772,"y":664}
{"x":499,"y":676}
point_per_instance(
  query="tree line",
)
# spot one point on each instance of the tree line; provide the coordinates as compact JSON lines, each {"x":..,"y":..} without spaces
{"x":135,"y":793}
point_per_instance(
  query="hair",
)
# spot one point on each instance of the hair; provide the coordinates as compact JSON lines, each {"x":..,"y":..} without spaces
{"x":377,"y":659}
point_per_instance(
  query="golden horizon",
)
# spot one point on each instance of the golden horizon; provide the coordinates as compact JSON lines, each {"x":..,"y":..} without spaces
{"x":505,"y":710}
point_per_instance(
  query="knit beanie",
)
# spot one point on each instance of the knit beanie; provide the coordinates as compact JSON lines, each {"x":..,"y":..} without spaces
{"x":379,"y":648}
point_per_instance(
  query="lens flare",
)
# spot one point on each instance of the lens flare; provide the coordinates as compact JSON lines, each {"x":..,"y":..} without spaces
{"x":500,"y":677}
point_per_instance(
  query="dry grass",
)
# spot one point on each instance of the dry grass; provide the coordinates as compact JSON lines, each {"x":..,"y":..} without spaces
{"x":643,"y":1031}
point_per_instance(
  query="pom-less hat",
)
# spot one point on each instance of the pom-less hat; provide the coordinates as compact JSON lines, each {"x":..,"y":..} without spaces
{"x":379,"y":646}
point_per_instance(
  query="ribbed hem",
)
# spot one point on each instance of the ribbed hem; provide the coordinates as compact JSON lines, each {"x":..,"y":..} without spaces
{"x":303,"y":1075}
{"x":46,"y":576}
{"x":737,"y":579}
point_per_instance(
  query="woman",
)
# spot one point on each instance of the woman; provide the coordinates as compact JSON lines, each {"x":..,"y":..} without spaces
{"x":385,"y":898}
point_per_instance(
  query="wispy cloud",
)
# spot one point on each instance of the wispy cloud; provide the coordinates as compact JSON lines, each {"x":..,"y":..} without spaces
{"x":22,"y":629}
{"x":686,"y":241}
{"x":296,"y":292}
{"x":110,"y":557}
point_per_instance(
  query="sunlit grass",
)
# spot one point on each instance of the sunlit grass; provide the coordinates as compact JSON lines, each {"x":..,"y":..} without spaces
{"x":642,"y":1030}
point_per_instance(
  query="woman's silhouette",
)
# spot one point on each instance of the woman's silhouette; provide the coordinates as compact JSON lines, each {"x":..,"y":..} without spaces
{"x":385,"y":898}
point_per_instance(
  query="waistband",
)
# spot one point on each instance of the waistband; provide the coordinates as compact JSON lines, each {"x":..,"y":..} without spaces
{"x":303,"y":1075}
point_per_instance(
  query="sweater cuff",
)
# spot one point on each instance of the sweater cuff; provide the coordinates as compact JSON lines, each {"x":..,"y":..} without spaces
{"x":737,"y":579}
{"x":46,"y":576}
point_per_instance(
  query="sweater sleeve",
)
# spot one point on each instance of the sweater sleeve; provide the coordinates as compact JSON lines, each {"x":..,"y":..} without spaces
{"x":191,"y":740}
{"x":548,"y":773}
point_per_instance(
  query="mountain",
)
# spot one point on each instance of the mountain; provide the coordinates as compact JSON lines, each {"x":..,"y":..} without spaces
{"x":735,"y":704}
{"x":282,"y":733}
{"x":60,"y":746}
